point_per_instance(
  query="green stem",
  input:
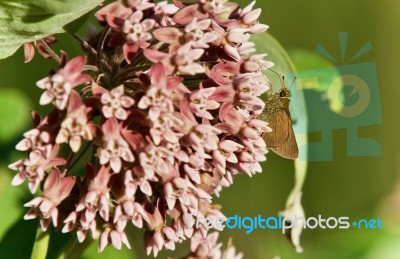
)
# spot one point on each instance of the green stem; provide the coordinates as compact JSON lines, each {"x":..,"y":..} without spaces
{"x":73,"y":249}
{"x":41,"y":244}
{"x":69,"y":167}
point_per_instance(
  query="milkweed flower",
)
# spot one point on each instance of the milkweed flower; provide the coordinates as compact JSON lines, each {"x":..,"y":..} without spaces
{"x":165,"y":120}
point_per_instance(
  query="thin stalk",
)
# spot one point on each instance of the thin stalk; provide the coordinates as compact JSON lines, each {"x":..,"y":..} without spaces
{"x":100,"y":48}
{"x":79,"y":156}
{"x":50,"y":51}
{"x":73,"y":249}
{"x":91,"y":51}
{"x":41,"y":245}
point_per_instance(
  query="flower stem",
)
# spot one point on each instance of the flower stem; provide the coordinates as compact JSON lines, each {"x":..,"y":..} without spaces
{"x":41,"y":245}
{"x":70,"y":166}
{"x":50,"y":51}
{"x":74,"y":249}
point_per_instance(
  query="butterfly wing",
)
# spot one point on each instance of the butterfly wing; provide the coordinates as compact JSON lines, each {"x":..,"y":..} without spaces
{"x":289,"y":148}
{"x":277,"y":121}
{"x":281,"y":140}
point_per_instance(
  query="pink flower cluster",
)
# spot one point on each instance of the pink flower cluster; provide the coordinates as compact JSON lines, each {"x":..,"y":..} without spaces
{"x":168,"y":121}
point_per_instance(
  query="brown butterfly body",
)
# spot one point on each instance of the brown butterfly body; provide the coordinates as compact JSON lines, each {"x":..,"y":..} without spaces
{"x":276,"y":112}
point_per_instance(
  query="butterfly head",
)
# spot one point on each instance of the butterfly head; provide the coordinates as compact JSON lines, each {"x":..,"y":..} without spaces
{"x":284,"y":93}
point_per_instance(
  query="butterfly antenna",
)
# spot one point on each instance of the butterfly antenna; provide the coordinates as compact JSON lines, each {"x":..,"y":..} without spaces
{"x":280,"y":78}
{"x":294,"y":80}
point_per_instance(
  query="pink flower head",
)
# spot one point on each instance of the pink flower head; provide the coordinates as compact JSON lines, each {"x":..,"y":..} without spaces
{"x":157,"y":99}
{"x":115,"y":103}
{"x":114,"y":149}
{"x":58,"y":87}
{"x":56,"y":189}
{"x":214,"y":6}
{"x":249,"y":18}
{"x":163,"y":12}
{"x":196,"y":33}
{"x":256,"y":63}
{"x":185,"y":57}
{"x":205,"y":247}
{"x":113,"y":237}
{"x":35,"y":139}
{"x":226,"y":153}
{"x":137,"y":29}
{"x":77,"y":125}
{"x":165,"y":237}
{"x":33,"y":168}
{"x":200,"y":103}
{"x":170,"y":119}
{"x":97,"y":198}
{"x":139,"y":4}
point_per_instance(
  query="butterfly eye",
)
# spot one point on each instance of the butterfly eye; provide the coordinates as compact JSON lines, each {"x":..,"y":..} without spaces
{"x":283,"y":93}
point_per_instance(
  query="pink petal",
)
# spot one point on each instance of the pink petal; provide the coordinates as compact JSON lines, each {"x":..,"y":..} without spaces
{"x":74,"y":66}
{"x":51,"y":182}
{"x":65,"y":188}
{"x":116,"y":239}
{"x":125,"y":240}
{"x":126,"y":102}
{"x":46,"y":98}
{"x":54,"y":216}
{"x":145,"y":187}
{"x":252,"y":16}
{"x":23,"y":145}
{"x":31,"y":214}
{"x":75,"y":101}
{"x":107,"y":111}
{"x":29,"y":51}
{"x":157,"y":76}
{"x":118,"y":91}
{"x":62,"y":136}
{"x":75,"y":143}
{"x":196,"y":53}
{"x":186,"y":14}
{"x":81,"y":234}
{"x":81,"y":79}
{"x":103,"y":242}
{"x":257,"y":28}
{"x":154,"y":56}
{"x":116,"y":164}
{"x":121,"y":114}
{"x":192,"y":69}
{"x":248,"y":7}
{"x":97,"y":89}
{"x":129,"y":51}
{"x":34,"y":203}
{"x":110,"y":127}
{"x":232,"y":52}
{"x":168,"y":35}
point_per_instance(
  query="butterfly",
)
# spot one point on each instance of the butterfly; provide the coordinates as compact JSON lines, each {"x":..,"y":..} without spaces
{"x":276,"y":112}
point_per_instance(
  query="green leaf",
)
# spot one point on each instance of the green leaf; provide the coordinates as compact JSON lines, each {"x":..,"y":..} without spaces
{"x":13,"y":113}
{"x":18,"y":241}
{"x":26,"y":20}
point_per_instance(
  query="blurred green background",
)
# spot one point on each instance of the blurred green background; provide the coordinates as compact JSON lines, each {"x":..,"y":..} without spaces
{"x":358,"y":187}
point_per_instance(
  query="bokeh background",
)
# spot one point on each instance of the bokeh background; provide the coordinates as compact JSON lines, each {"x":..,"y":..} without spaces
{"x":358,"y":187}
